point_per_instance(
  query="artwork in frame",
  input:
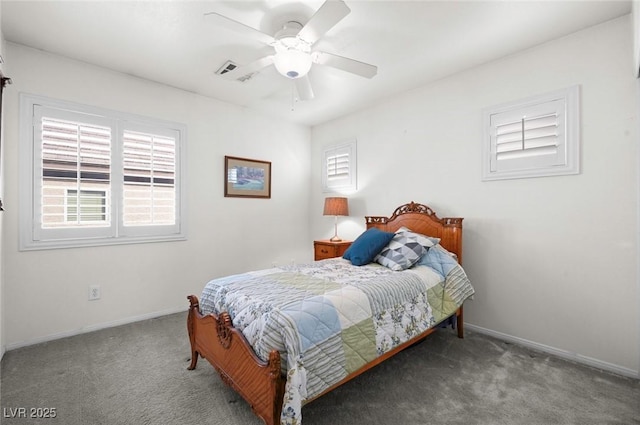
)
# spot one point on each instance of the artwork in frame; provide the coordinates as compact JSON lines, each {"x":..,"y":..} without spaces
{"x":247,"y":178}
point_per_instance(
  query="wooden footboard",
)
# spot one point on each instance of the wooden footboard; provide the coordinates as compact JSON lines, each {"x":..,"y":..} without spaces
{"x":260,"y":383}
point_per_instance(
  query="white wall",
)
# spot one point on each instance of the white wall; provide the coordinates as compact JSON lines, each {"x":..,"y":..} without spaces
{"x":636,"y":50}
{"x":46,"y":291}
{"x":636,"y":36}
{"x":2,"y":346}
{"x":554,"y":260}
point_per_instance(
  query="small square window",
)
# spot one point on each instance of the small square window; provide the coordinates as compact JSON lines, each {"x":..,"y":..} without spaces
{"x":534,"y":137}
{"x":339,"y":168}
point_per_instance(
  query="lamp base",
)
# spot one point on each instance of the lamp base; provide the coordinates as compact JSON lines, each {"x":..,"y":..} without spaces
{"x":335,"y":239}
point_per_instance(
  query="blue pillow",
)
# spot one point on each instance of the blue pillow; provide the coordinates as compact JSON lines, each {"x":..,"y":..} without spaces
{"x":439,"y":259}
{"x":366,"y":246}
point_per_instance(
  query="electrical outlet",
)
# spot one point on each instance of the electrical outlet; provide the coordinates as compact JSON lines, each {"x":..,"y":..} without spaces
{"x":94,"y":292}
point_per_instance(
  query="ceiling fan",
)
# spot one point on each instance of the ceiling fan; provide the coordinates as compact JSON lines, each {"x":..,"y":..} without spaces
{"x":293,"y":48}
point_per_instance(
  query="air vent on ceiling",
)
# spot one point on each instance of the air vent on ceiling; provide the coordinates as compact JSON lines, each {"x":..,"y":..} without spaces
{"x":230,"y":66}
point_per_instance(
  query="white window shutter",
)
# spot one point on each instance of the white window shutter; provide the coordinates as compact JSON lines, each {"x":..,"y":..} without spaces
{"x":339,"y":168}
{"x":75,"y":157}
{"x":531,"y":138}
{"x":151,"y":191}
{"x":149,"y":179}
{"x":74,"y":154}
{"x":90,"y":176}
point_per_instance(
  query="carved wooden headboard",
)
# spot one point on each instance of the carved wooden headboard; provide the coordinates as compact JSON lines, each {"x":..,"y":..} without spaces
{"x":422,"y":219}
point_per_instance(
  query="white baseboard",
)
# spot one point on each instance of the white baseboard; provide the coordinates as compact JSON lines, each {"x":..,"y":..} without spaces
{"x":567,"y":355}
{"x":92,"y":328}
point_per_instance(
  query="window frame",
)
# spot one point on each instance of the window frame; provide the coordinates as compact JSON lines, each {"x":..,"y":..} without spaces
{"x":568,"y":100}
{"x":349,"y":184}
{"x":32,"y":236}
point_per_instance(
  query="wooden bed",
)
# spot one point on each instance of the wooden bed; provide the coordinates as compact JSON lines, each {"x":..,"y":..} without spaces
{"x":260,"y":383}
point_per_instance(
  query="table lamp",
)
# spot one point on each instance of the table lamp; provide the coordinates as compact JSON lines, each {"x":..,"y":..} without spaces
{"x":336,"y":206}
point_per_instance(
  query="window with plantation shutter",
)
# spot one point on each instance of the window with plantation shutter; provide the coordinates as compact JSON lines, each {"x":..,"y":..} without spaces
{"x":532,"y":138}
{"x":339,"y":168}
{"x":76,"y":157}
{"x":149,"y":179}
{"x":93,"y":177}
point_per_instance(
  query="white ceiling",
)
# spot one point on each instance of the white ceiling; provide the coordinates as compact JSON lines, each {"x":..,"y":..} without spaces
{"x":411,"y":42}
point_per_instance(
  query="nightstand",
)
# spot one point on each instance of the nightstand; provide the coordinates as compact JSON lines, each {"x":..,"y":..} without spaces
{"x":326,"y":249}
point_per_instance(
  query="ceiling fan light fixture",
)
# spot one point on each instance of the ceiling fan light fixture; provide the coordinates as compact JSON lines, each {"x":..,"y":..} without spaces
{"x":293,"y":63}
{"x":293,"y":56}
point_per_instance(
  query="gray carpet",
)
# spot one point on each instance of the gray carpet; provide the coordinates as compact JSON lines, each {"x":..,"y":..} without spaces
{"x":136,"y":374}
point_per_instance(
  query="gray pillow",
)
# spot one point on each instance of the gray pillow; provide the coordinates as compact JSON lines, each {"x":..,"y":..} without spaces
{"x":404,"y":250}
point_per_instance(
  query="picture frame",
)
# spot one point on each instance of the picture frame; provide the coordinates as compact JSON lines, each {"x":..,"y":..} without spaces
{"x":246,"y":178}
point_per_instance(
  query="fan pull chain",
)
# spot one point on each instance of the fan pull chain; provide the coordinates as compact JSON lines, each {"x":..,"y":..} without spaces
{"x":293,"y":97}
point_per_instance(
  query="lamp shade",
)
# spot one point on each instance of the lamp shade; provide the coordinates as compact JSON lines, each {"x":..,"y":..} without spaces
{"x":336,"y":206}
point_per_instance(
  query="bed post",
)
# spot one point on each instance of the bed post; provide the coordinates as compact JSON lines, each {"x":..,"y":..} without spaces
{"x":460,"y":321}
{"x":452,"y":235}
{"x":194,"y":306}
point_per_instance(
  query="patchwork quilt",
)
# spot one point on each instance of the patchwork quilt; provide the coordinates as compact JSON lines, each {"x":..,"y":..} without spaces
{"x":329,"y":318}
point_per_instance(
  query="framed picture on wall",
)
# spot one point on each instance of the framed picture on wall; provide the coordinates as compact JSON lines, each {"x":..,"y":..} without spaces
{"x":247,"y":178}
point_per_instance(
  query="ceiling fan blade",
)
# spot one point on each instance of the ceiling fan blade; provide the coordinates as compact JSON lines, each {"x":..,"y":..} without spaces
{"x":248,"y":69}
{"x":303,"y":87}
{"x":350,"y":65}
{"x":329,"y":14}
{"x":239,"y":27}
